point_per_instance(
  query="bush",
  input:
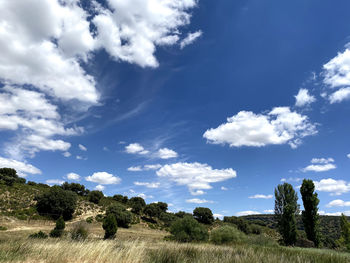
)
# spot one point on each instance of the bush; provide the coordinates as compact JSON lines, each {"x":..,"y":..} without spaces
{"x":3,"y":228}
{"x":136,"y":204}
{"x":57,"y":202}
{"x":99,"y":218}
{"x":79,"y":189}
{"x":255,"y":229}
{"x":188,"y":229}
{"x":240,"y":223}
{"x":59,"y":228}
{"x":167,"y":218}
{"x":89,"y":220}
{"x":152,"y":210}
{"x":121,"y":215}
{"x":40,"y":234}
{"x":226,"y":234}
{"x":95,"y":196}
{"x":121,"y":199}
{"x":304,"y":242}
{"x":9,"y":176}
{"x":203,"y":215}
{"x":80,"y":231}
{"x":110,"y":226}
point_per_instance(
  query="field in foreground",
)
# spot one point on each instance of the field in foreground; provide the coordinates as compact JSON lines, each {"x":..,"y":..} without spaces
{"x":140,"y":244}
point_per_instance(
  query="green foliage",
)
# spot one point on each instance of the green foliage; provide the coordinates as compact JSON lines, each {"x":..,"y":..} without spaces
{"x":203,"y":215}
{"x":255,"y":229}
{"x":3,"y":228}
{"x":121,"y":199}
{"x":167,"y":218}
{"x":310,"y":214}
{"x":137,"y":204}
{"x":80,"y":231}
{"x":40,"y":235}
{"x":345,"y":232}
{"x":188,"y":229}
{"x":286,"y":208}
{"x":89,"y":220}
{"x":239,"y":222}
{"x":110,"y":226}
{"x":57,"y":202}
{"x":162,"y":206}
{"x":121,"y":215}
{"x":182,"y":214}
{"x":152,"y":210}
{"x":95,"y":196}
{"x":226,"y":234}
{"x":99,"y":218}
{"x":9,"y":177}
{"x":59,"y":228}
{"x":76,"y":188}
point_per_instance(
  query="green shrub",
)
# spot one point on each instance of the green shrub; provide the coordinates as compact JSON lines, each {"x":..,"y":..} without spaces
{"x":226,"y":234}
{"x":80,"y":231}
{"x":40,"y":234}
{"x":203,"y":215}
{"x":57,"y":202}
{"x":95,"y":196}
{"x":240,"y":223}
{"x":122,"y":216}
{"x":188,"y":229}
{"x":136,"y":204}
{"x":59,"y":228}
{"x":89,"y":220}
{"x":3,"y":228}
{"x":110,"y":226}
{"x":99,"y":218}
{"x":255,"y":229}
{"x":262,"y":240}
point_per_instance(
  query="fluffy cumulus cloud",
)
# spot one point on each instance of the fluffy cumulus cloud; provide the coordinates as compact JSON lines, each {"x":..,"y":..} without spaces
{"x":303,"y":98}
{"x":99,"y":187}
{"x":247,"y":213}
{"x":146,"y":167}
{"x":66,"y":154}
{"x":190,"y":38}
{"x":338,"y":203}
{"x":135,"y":148}
{"x":337,"y":77}
{"x":103,"y":178}
{"x":22,"y":168}
{"x":166,"y":153}
{"x":131,"y":30}
{"x":199,"y":201}
{"x":196,"y":176}
{"x":332,"y":186}
{"x":260,"y":196}
{"x":348,"y":155}
{"x":73,"y":176}
{"x":320,"y":165}
{"x":279,"y":126}
{"x":148,"y":185}
{"x":54,"y":181}
{"x":45,"y":45}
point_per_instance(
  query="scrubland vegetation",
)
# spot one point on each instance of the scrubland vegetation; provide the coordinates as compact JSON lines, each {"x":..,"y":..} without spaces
{"x":69,"y":223}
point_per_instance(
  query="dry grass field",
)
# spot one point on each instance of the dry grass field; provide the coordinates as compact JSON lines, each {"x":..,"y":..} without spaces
{"x":139,"y":244}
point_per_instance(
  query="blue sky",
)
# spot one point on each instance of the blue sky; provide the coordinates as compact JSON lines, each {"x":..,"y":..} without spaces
{"x":195,"y":103}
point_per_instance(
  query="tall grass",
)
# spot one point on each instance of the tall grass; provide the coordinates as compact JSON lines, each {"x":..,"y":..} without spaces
{"x":56,"y":251}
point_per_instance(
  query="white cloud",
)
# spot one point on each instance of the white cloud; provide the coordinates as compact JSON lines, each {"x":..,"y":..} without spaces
{"x":66,"y":154}
{"x":338,"y":202}
{"x":319,"y":167}
{"x":347,"y":213}
{"x":166,"y":153}
{"x":100,"y":187}
{"x":303,"y":98}
{"x":22,"y":168}
{"x":223,"y":188}
{"x":73,"y":176}
{"x":340,"y":95}
{"x":82,"y":147}
{"x":279,"y":126}
{"x":78,"y":157}
{"x":144,"y":196}
{"x":135,"y":148}
{"x":103,"y":178}
{"x":291,"y":179}
{"x":148,"y":185}
{"x":190,"y":38}
{"x":135,"y":169}
{"x":322,"y":160}
{"x":335,"y":187}
{"x":218,"y":216}
{"x":199,"y":201}
{"x":54,"y":181}
{"x":269,"y":211}
{"x":134,"y":28}
{"x":247,"y":213}
{"x":195,"y":176}
{"x":260,"y":196}
{"x":348,"y":155}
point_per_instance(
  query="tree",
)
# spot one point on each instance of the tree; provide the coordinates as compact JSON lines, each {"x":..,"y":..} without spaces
{"x":240,"y":223}
{"x":188,"y":229}
{"x":286,"y":208}
{"x":345,"y":232}
{"x":121,"y":215}
{"x":310,"y":214}
{"x":95,"y":196}
{"x":59,"y":228}
{"x":121,"y":199}
{"x":162,"y":206}
{"x":203,"y":215}
{"x":56,"y":202}
{"x":9,"y":176}
{"x":152,"y":210}
{"x":136,"y":204}
{"x":110,"y":226}
{"x":79,"y":189}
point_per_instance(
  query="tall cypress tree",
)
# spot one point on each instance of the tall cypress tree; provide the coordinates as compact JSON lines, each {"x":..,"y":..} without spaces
{"x":286,"y":207}
{"x":310,"y":214}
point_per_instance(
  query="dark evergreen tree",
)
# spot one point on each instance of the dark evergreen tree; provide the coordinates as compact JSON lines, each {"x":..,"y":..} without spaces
{"x":137,"y":204}
{"x":59,"y":228}
{"x":110,"y":226}
{"x":95,"y":196}
{"x":310,"y":214}
{"x":152,"y":210}
{"x":203,"y":215}
{"x":345,"y":232}
{"x":286,"y":207}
